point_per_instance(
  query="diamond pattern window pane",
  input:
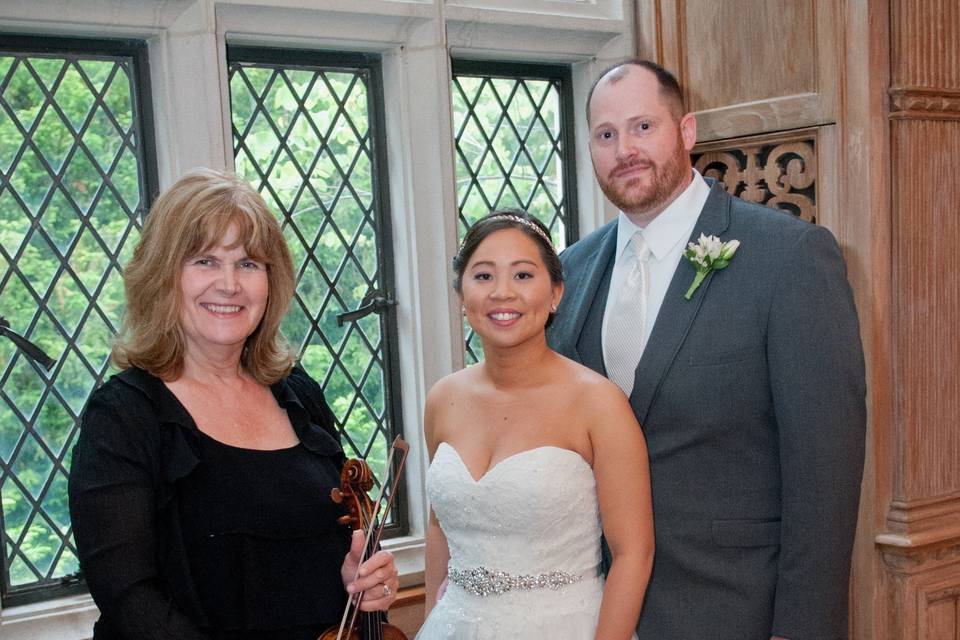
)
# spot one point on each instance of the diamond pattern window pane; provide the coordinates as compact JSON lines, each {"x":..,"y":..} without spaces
{"x":72,"y":181}
{"x":511,"y":126}
{"x":304,"y":135}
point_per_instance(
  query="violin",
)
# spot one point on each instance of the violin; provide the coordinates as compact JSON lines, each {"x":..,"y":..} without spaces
{"x":356,"y":481}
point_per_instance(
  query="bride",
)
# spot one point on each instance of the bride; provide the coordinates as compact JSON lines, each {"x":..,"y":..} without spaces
{"x":531,"y":453}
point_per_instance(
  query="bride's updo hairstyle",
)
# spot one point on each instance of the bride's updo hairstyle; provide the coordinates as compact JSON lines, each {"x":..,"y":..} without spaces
{"x":508,"y":219}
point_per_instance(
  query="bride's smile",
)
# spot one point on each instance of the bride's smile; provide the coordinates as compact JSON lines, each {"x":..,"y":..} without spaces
{"x":507,"y":291}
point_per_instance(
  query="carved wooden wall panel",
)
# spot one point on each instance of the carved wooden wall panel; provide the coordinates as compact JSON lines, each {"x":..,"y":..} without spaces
{"x":750,"y":66}
{"x":940,"y":619}
{"x":920,"y":541}
{"x":923,"y":595}
{"x":926,"y":232}
{"x":925,"y":59}
{"x":779,"y":171}
{"x":786,"y":64}
{"x":925,"y":43}
{"x":863,"y":96}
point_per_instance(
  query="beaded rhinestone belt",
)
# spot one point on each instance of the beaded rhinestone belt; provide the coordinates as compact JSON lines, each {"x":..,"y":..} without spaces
{"x":483,"y":582}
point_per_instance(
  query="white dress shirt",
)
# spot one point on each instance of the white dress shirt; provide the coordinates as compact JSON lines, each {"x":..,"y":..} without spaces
{"x":667,"y":237}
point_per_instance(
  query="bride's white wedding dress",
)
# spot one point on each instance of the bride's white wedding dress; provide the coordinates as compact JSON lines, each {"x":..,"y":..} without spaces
{"x":524,"y":545}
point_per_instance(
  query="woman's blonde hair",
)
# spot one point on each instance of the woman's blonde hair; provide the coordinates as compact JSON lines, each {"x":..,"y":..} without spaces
{"x":190,"y":216}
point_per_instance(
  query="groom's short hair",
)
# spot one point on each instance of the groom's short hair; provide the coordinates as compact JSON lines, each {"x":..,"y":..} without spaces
{"x":669,"y":87}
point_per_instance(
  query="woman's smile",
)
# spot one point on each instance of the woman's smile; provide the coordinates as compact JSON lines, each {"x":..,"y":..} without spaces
{"x":221,"y":309}
{"x":507,"y":293}
{"x":504,"y":318}
{"x":225,"y":294}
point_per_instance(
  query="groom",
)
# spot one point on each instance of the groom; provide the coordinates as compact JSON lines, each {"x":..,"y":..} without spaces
{"x":750,"y":393}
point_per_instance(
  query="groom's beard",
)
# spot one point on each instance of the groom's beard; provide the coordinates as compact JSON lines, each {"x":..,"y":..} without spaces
{"x":635,"y":197}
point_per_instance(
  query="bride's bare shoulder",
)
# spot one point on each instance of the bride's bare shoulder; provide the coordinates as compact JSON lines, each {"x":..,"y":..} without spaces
{"x":591,"y":392}
{"x":452,"y":390}
{"x":445,"y":401}
{"x":454,"y":384}
{"x":586,"y":377}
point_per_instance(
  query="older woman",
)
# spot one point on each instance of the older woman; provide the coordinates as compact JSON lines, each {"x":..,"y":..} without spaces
{"x":200,"y":483}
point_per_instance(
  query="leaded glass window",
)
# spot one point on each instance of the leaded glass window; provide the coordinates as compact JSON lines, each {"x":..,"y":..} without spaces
{"x":513,"y":128}
{"x":74,"y":181}
{"x":308,"y":133}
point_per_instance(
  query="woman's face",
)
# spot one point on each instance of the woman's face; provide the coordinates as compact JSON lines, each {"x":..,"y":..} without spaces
{"x":506,"y":289}
{"x":224,"y":296}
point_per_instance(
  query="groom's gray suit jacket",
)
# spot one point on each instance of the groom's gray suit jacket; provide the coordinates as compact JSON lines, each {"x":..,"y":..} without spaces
{"x":751,"y":396}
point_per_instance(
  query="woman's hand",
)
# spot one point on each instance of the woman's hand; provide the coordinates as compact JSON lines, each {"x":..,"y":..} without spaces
{"x":377,"y":578}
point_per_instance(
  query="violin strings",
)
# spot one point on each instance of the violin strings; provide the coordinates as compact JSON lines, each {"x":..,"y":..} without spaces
{"x":404,"y":448}
{"x":353,"y":602}
{"x":359,"y":596}
{"x":398,"y":443}
{"x":354,"y":608}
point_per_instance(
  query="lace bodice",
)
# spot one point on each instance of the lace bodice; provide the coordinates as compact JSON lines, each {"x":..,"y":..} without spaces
{"x":524,"y":546}
{"x":533,"y":512}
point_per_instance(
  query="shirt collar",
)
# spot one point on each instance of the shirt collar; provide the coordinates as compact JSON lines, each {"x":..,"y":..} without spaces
{"x":672,"y":225}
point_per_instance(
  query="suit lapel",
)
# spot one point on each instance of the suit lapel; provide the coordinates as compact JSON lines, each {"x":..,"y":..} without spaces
{"x":676,"y":313}
{"x":587,"y":287}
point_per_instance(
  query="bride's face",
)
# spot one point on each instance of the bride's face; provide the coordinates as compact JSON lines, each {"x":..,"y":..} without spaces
{"x":506,"y":289}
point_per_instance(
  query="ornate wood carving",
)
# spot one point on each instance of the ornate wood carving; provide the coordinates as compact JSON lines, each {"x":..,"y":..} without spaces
{"x":920,"y":532}
{"x":920,"y":546}
{"x":779,"y":171}
{"x":912,"y":560}
{"x":928,"y":104}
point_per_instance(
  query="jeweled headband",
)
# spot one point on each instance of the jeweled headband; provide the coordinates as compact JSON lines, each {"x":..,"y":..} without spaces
{"x":524,"y":222}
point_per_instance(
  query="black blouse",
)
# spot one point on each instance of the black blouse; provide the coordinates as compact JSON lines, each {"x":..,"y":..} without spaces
{"x":143,"y":484}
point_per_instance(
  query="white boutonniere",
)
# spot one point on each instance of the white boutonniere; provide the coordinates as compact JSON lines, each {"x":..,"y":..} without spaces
{"x":709,"y":254}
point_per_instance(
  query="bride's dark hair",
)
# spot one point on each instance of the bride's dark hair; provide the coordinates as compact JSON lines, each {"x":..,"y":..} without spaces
{"x":508,"y":219}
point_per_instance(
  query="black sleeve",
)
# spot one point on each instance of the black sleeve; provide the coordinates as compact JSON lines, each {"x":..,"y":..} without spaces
{"x":112,"y":507}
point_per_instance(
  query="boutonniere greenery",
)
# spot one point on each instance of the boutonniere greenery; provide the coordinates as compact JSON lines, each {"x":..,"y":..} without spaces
{"x":709,"y":254}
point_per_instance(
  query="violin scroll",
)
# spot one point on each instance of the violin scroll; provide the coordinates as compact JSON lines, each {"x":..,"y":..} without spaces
{"x":356,"y":480}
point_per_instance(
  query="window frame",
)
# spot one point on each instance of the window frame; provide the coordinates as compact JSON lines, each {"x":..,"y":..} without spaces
{"x":560,"y":76}
{"x":415,"y":39}
{"x":554,"y":73}
{"x":25,"y":46}
{"x":310,"y":59}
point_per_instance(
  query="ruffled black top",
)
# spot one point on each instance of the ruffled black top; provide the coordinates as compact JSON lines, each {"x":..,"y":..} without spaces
{"x":181,"y":536}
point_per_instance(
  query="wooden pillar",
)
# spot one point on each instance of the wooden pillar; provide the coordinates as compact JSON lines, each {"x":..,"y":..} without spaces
{"x":920,"y":539}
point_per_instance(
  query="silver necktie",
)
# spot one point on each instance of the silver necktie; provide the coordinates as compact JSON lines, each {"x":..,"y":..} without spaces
{"x":625,"y":328}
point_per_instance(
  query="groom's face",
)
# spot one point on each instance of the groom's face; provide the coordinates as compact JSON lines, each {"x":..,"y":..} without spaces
{"x":639,"y":143}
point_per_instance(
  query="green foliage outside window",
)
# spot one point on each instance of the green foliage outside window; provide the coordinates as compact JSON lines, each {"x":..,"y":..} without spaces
{"x":508,"y":131}
{"x":302,"y":136}
{"x":70,"y":202}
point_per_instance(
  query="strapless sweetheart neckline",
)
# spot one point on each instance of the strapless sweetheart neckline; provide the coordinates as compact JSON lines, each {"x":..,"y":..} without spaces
{"x":524,"y":543}
{"x":512,"y":457}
